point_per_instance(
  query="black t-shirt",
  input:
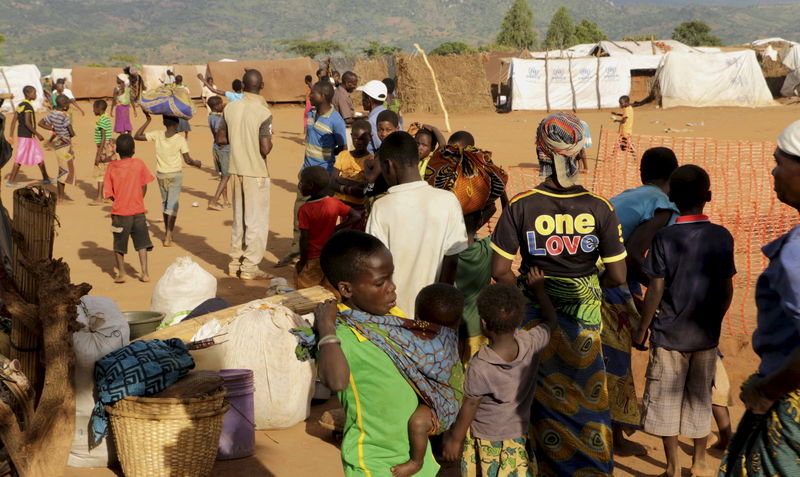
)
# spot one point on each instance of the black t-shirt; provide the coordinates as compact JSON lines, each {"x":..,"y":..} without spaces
{"x":694,"y":257}
{"x":561,"y":231}
{"x":22,"y":128}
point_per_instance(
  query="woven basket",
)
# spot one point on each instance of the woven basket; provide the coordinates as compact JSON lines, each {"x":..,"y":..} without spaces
{"x":178,"y":443}
{"x":171,"y":406}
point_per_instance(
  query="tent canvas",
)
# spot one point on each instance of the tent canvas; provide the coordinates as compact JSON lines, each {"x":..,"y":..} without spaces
{"x":643,"y":55}
{"x":791,"y":60}
{"x":283,"y":79}
{"x":19,"y":76}
{"x":90,"y":82}
{"x":155,"y":75}
{"x":569,"y":84}
{"x":577,"y":51}
{"x":58,"y":73}
{"x":189,"y":73}
{"x":713,"y":79}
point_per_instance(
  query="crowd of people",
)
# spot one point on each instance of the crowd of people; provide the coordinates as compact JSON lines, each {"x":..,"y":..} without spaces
{"x":437,"y":344}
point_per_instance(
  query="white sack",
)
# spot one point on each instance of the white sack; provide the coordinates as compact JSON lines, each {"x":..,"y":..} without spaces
{"x":259,"y":339}
{"x":106,"y":330}
{"x":183,"y":287}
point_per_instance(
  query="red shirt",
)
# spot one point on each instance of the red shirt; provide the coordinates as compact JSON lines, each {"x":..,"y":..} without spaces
{"x":319,"y":218}
{"x":124,"y":181}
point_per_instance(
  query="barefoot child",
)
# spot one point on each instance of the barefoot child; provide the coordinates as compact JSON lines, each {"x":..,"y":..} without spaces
{"x":58,"y":121}
{"x":370,"y":354}
{"x":29,"y":152}
{"x":171,"y":150}
{"x":221,"y":154}
{"x":441,"y":304}
{"x":500,"y":384}
{"x":691,"y":268}
{"x":126,"y":184}
{"x":625,"y":120}
{"x":317,"y":220}
{"x":105,"y":146}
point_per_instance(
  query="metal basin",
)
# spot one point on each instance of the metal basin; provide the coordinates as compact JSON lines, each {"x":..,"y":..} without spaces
{"x":143,"y":322}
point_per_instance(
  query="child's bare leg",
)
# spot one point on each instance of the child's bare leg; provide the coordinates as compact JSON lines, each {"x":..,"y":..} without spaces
{"x":45,"y":177}
{"x":723,"y":419}
{"x":120,"y":259}
{"x":623,"y":446}
{"x":224,"y":185}
{"x":419,"y":424}
{"x":13,"y":175}
{"x":99,"y":199}
{"x":169,"y":224}
{"x":699,"y":467}
{"x":671,"y":453}
{"x":221,"y":189}
{"x":145,"y":275}
{"x":62,"y":195}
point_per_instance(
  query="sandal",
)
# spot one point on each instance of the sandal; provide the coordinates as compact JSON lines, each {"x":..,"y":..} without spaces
{"x":14,"y":186}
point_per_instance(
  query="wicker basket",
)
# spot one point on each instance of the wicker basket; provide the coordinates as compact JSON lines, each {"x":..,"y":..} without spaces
{"x":176,"y":438}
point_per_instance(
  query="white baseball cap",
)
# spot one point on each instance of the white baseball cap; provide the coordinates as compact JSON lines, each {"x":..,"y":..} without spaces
{"x":789,"y":140}
{"x":374,"y":89}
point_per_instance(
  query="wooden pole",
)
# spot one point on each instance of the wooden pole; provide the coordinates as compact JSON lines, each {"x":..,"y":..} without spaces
{"x":435,"y":86}
{"x":547,"y":82}
{"x":572,"y":86}
{"x":597,"y":84}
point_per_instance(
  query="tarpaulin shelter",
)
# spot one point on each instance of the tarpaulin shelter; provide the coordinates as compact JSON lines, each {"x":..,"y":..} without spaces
{"x":58,"y":73}
{"x":14,"y":78}
{"x":581,"y":83}
{"x":155,"y":75}
{"x":712,"y":79}
{"x":283,"y":79}
{"x":791,"y":60}
{"x":89,"y":82}
{"x":644,"y":55}
{"x":189,"y":73}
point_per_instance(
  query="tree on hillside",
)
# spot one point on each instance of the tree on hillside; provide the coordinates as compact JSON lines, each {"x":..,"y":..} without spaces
{"x":311,"y":49}
{"x":2,"y":40}
{"x":517,"y":28}
{"x":650,"y":37}
{"x":449,"y":48}
{"x":695,"y":33}
{"x":122,"y":60}
{"x":588,"y":32}
{"x":376,"y":49}
{"x":561,"y":33}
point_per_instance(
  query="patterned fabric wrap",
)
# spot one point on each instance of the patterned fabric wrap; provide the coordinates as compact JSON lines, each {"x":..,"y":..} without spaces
{"x":576,"y":297}
{"x":168,"y":100}
{"x":509,"y":458}
{"x":766,"y":445}
{"x":469,"y":173}
{"x":426,"y":354}
{"x":559,"y":136}
{"x":142,"y":368}
{"x":570,"y":417}
{"x":620,"y":316}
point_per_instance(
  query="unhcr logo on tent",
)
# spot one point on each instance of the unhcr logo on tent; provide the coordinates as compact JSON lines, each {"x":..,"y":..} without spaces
{"x":610,"y":73}
{"x":559,"y":76}
{"x":585,"y":74}
{"x":534,"y":73}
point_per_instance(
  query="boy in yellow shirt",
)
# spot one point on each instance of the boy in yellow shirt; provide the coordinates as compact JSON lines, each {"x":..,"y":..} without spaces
{"x":348,"y":179}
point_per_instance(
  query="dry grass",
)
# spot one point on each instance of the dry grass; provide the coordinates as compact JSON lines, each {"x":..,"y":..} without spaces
{"x":462,"y":82}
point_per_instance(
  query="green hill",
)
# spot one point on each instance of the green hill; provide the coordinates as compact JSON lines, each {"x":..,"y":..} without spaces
{"x":67,"y":32}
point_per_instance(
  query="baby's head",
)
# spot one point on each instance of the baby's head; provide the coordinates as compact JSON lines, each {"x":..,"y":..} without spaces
{"x":440,"y":303}
{"x":501,"y":308}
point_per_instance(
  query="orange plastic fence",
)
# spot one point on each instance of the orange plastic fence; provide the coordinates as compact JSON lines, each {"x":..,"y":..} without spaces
{"x":742,"y":191}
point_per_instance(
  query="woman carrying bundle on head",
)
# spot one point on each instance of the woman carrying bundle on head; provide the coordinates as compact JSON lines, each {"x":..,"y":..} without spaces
{"x":121,"y":105}
{"x":563,"y":229}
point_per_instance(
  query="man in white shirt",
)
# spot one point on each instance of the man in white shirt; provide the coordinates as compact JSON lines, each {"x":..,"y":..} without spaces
{"x":422,"y":226}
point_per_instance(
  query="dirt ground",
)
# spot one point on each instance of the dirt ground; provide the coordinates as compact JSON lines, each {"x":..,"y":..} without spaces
{"x":84,"y":241}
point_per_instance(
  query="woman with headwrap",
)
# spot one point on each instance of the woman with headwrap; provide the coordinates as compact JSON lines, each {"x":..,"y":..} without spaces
{"x":767,"y":441}
{"x":121,"y":105}
{"x":564,"y":229}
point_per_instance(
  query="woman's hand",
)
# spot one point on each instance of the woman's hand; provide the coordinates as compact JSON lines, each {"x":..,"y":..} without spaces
{"x":325,"y":317}
{"x":535,"y":279}
{"x":452,"y":447}
{"x":753,"y":398}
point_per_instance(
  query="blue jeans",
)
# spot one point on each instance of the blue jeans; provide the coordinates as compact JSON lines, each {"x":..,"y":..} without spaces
{"x":170,"y":184}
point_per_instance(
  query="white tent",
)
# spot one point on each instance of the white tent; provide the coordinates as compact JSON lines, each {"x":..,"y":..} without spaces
{"x":713,"y":79}
{"x":16,"y":77}
{"x":569,"y":84}
{"x":65,"y":73}
{"x":155,"y":75}
{"x":576,"y":51}
{"x":791,"y":60}
{"x":643,"y":55}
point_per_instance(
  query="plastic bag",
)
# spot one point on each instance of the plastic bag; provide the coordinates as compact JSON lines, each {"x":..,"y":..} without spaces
{"x":169,"y":100}
{"x":183,"y":287}
{"x":105,"y":330}
{"x":284,"y":385}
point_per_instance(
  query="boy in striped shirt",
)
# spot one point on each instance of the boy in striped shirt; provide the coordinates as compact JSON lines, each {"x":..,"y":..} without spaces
{"x":59,"y":122}
{"x":105,"y":148}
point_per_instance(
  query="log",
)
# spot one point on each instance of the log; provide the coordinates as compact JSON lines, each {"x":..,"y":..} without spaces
{"x":435,"y":86}
{"x":300,"y":301}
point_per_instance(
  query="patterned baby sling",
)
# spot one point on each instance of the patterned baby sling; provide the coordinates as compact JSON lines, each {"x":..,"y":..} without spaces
{"x":469,"y":173}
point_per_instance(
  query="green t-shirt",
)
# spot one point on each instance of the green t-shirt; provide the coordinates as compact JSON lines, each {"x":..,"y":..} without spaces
{"x":377,"y":406}
{"x":473,"y":275}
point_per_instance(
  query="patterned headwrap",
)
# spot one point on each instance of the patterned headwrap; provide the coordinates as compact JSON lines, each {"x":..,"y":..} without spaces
{"x":559,"y":139}
{"x":124,"y":78}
